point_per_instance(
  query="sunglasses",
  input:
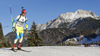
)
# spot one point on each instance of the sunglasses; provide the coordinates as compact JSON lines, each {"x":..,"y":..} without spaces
{"x":24,"y":13}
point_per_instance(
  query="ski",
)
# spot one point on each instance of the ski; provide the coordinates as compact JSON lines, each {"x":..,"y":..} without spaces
{"x":23,"y":50}
{"x":11,"y":13}
{"x":13,"y":50}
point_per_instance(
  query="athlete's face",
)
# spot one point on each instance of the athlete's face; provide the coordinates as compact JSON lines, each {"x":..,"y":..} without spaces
{"x":23,"y":14}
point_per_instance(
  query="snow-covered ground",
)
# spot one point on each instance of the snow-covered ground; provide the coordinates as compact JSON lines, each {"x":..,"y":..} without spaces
{"x":53,"y":51}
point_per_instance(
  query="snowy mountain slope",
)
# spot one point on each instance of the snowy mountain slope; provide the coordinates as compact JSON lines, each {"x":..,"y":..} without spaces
{"x":53,"y":51}
{"x":69,"y":17}
{"x":97,"y":39}
{"x":91,"y":40}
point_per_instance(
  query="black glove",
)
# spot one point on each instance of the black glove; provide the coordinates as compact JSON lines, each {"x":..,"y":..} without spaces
{"x":13,"y":29}
{"x":26,"y":29}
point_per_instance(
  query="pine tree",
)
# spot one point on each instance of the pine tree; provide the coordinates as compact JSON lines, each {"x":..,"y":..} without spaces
{"x":8,"y":43}
{"x":34,"y":38}
{"x":1,"y":36}
{"x":3,"y":42}
{"x":1,"y":31}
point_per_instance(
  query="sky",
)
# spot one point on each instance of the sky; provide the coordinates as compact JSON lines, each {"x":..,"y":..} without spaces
{"x":42,"y":11}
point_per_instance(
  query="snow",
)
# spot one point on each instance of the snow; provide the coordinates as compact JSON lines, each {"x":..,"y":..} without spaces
{"x":70,"y":16}
{"x":53,"y":51}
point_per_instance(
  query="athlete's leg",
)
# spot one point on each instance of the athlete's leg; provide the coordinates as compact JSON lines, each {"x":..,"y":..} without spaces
{"x":21,"y":38}
{"x":17,"y":37}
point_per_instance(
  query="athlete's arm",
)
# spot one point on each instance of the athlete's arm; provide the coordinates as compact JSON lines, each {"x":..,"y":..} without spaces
{"x":15,"y":21}
{"x":26,"y":24}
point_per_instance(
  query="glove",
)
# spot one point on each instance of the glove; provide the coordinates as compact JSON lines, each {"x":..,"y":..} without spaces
{"x":13,"y":29}
{"x":26,"y":29}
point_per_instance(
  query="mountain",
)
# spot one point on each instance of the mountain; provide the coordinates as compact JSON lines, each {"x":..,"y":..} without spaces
{"x":69,"y":18}
{"x":88,"y":27}
{"x":71,"y":25}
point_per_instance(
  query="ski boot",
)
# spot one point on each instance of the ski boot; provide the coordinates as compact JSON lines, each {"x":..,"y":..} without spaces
{"x":13,"y":47}
{"x":19,"y":46}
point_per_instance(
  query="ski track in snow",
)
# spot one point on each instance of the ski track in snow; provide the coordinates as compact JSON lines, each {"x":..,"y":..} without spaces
{"x":53,"y":51}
